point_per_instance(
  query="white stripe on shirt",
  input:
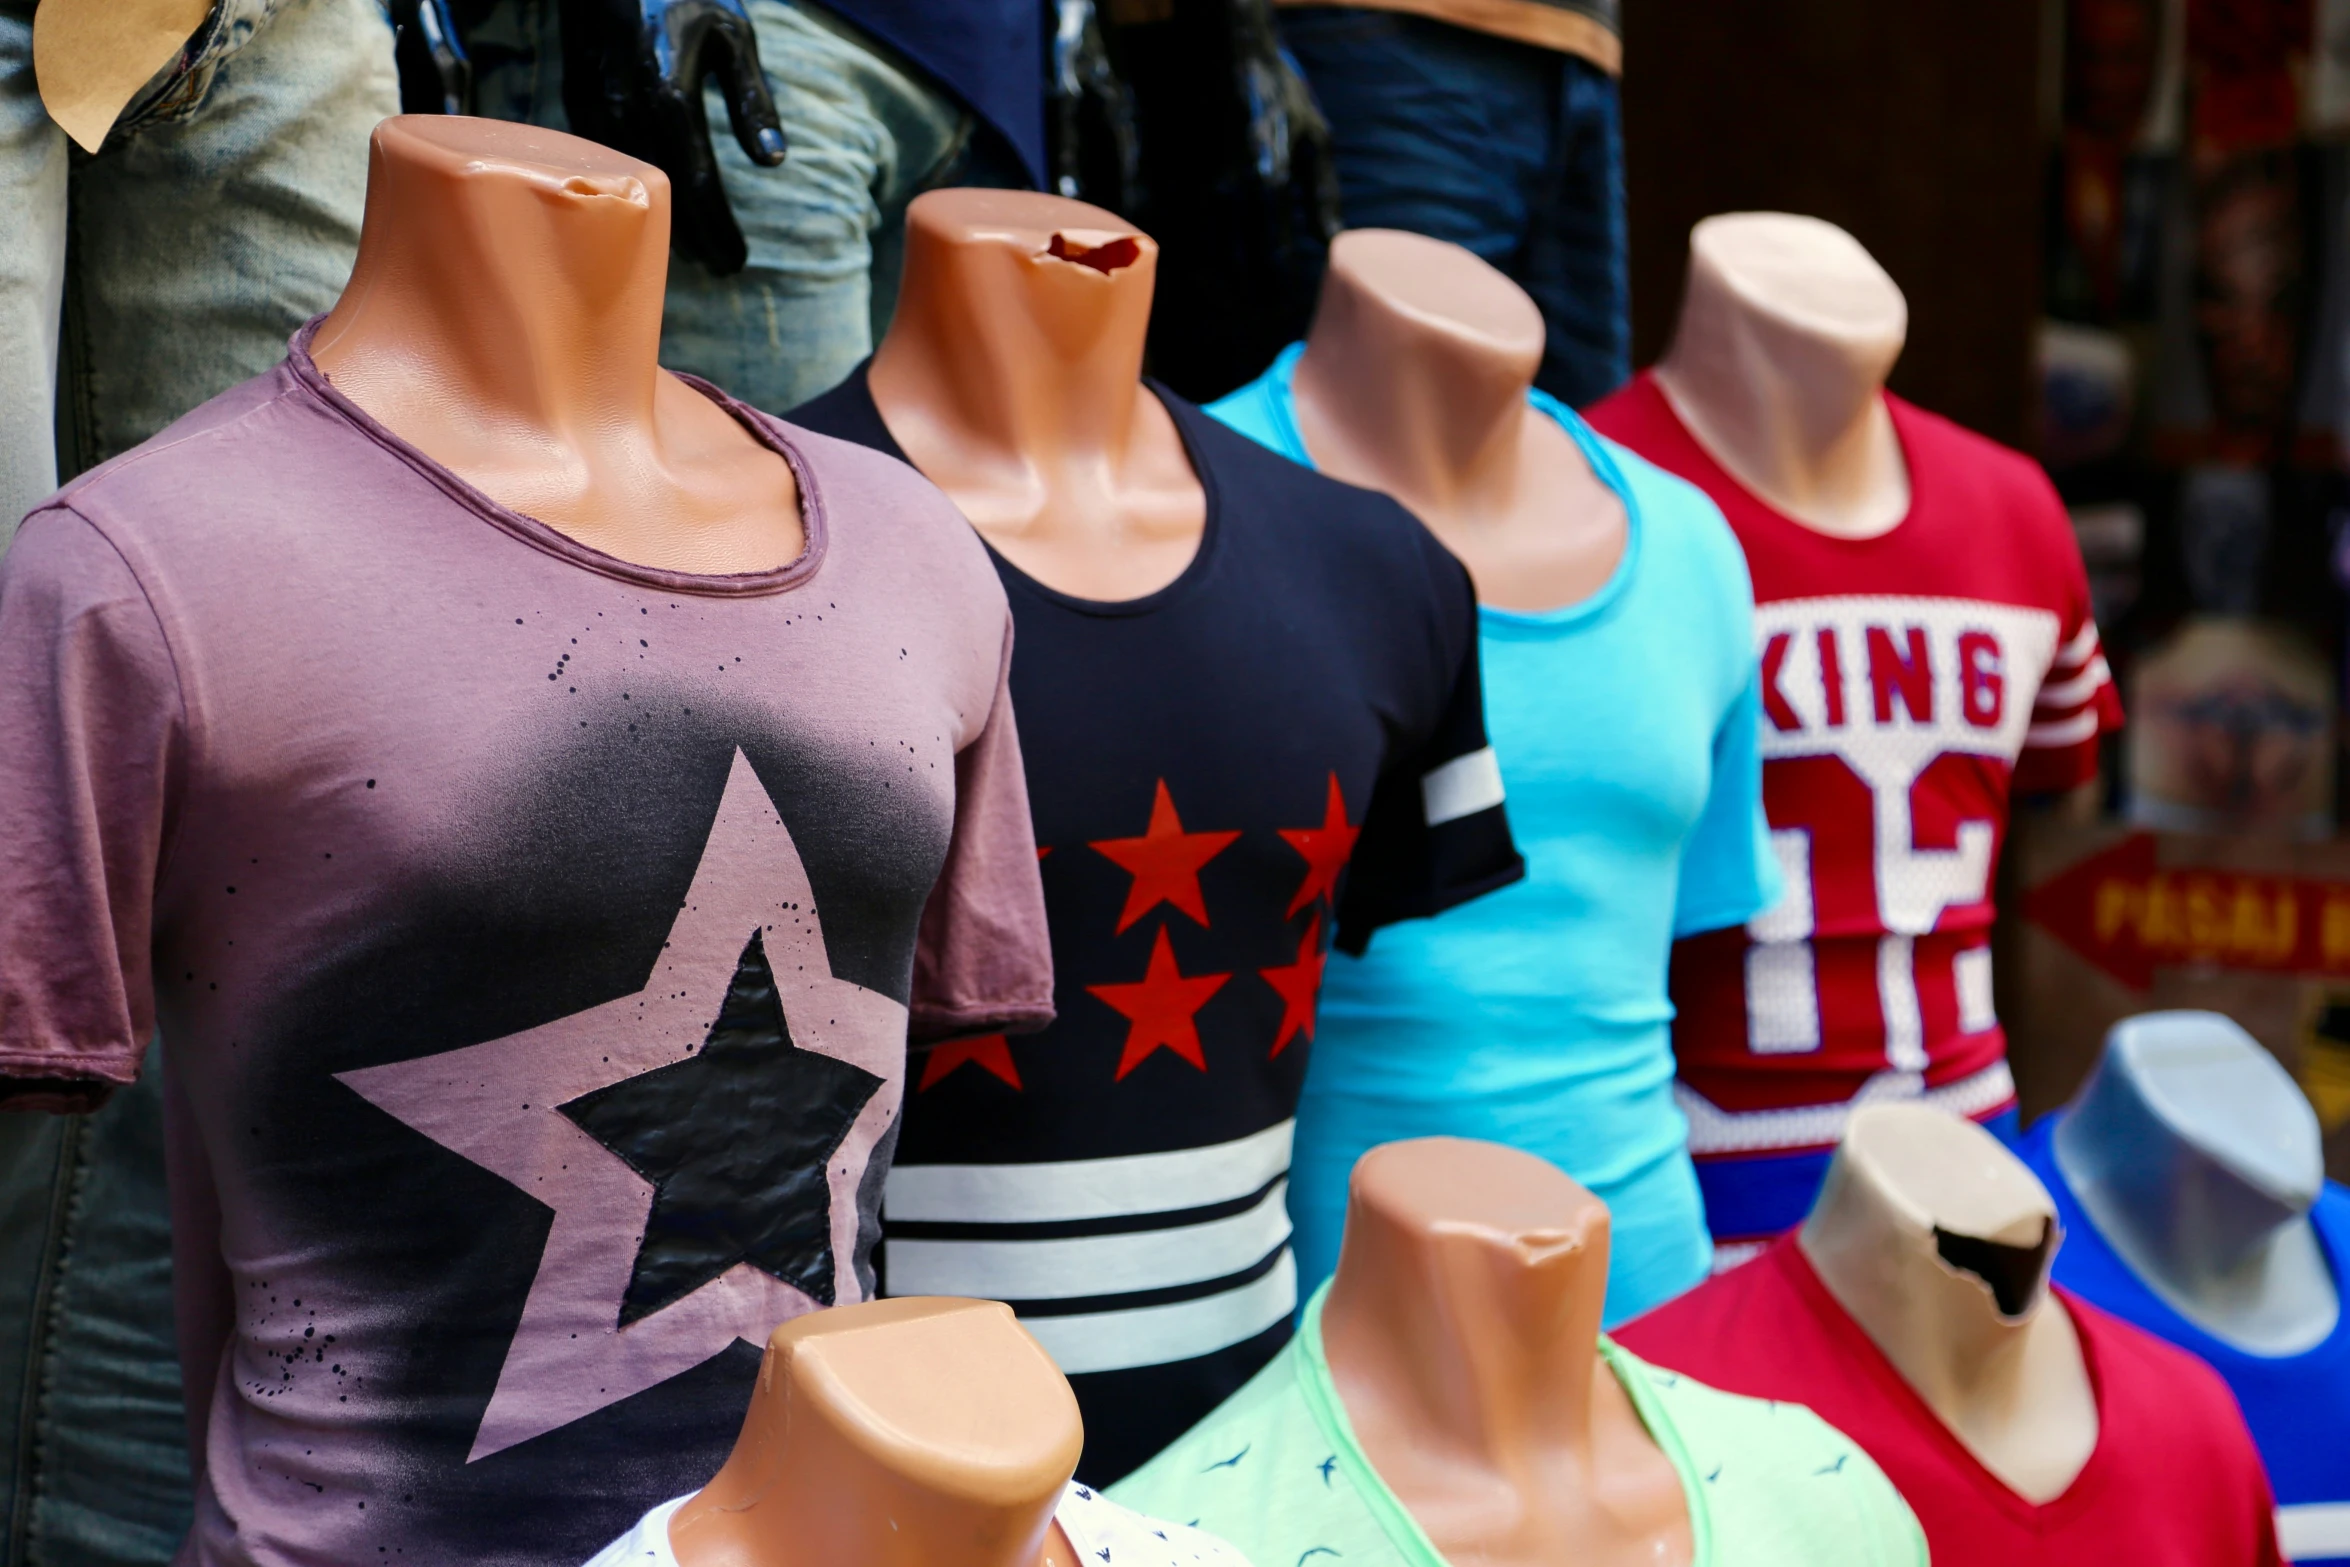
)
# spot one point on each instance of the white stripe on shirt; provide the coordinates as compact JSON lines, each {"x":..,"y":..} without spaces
{"x":1092,"y":1264}
{"x":2068,"y":694}
{"x":1155,"y":1335}
{"x":1462,"y":787}
{"x":1714,"y":1130}
{"x":1086,"y":1188}
{"x":2076,"y":651}
{"x":2309,"y":1531}
{"x":2066,"y":731}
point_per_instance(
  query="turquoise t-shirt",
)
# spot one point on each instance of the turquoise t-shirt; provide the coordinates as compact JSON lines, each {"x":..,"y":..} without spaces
{"x":1537,"y":1016}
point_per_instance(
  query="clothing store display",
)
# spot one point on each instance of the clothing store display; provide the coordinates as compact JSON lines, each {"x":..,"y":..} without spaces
{"x":1208,"y":763}
{"x":1278,"y":1471}
{"x":1506,"y":141}
{"x":536,"y":937}
{"x":2174,"y":1480}
{"x":2298,"y":1406}
{"x":869,"y":131}
{"x":1911,"y":683}
{"x":1537,"y":1017}
{"x":221,"y":211}
{"x":1100,"y":1530}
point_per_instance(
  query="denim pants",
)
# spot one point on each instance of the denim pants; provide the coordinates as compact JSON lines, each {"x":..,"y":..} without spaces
{"x":826,"y":230}
{"x":1510,"y":151}
{"x":221,"y":212}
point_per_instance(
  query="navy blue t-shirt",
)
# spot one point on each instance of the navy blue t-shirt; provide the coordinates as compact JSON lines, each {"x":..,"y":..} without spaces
{"x":989,"y":53}
{"x":1282,"y":747}
{"x":2298,"y":1406}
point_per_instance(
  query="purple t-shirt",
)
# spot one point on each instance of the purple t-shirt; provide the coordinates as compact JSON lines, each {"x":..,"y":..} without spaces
{"x":534,"y":937}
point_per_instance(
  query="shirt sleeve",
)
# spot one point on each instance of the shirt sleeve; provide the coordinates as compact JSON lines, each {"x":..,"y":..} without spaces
{"x":1435,"y":834}
{"x":1729,"y":872}
{"x":92,"y":710}
{"x":2076,"y":701}
{"x":983,"y":960}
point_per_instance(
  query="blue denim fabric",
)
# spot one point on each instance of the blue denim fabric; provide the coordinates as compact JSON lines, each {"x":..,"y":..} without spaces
{"x":826,"y":230}
{"x":1513,"y":152}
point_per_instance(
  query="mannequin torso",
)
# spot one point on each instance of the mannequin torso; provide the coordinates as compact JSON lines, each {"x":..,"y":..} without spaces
{"x":1012,"y":378}
{"x":1460,"y":1329}
{"x":1778,"y":363}
{"x":2198,"y":1160}
{"x":1414,"y":381}
{"x":504,"y":317}
{"x":1937,"y":1241}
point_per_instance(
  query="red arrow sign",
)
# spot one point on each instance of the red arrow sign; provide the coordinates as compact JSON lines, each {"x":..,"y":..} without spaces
{"x":2120,"y":910}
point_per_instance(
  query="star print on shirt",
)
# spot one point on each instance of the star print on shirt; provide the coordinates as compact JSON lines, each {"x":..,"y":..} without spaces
{"x":991,"y":1053}
{"x":1165,"y":861}
{"x":1326,"y":849}
{"x":1161,"y":1008}
{"x":624,"y":1298}
{"x":1300,"y":985}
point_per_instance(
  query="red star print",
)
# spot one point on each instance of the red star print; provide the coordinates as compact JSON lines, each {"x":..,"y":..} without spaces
{"x":1161,"y":1007}
{"x":1325,"y":847}
{"x":1165,"y":861}
{"x":991,"y":1052}
{"x":1299,"y":983}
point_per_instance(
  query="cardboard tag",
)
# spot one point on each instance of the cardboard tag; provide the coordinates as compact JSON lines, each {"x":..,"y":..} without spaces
{"x":89,"y":56}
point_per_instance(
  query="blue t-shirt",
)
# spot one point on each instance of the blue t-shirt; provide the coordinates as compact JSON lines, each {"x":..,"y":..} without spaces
{"x":1538,"y":1017}
{"x":2298,"y":1406}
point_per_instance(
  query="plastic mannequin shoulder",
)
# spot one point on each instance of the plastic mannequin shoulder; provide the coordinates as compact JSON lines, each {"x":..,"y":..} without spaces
{"x":504,"y":317}
{"x":1778,"y":363}
{"x":1414,"y":381}
{"x":2198,"y":1160}
{"x":1011,"y":375}
{"x":1461,"y":1330}
{"x":900,"y":1433}
{"x":1937,"y":1240}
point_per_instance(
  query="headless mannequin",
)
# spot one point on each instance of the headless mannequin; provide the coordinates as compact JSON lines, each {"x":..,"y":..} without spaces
{"x":1778,"y":364}
{"x":2198,"y":1160}
{"x":1937,"y":1241}
{"x":1461,"y":1331}
{"x":504,"y":318}
{"x":1414,"y":381}
{"x":1011,"y":376}
{"x":899,"y":1433}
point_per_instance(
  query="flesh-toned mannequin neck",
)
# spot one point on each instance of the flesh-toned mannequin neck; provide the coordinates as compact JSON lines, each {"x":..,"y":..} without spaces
{"x":1414,"y":381}
{"x":1937,"y":1240}
{"x":2198,"y":1160}
{"x":898,"y":1433}
{"x":1012,"y":377}
{"x":1461,"y":1329}
{"x":1787,"y":332}
{"x":504,"y":317}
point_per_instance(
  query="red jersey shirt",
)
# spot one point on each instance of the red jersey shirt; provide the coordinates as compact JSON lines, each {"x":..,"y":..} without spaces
{"x":1909,"y":682}
{"x":2174,"y":1480}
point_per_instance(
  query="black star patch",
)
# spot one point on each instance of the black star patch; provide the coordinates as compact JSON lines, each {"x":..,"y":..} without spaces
{"x":735,"y":1139}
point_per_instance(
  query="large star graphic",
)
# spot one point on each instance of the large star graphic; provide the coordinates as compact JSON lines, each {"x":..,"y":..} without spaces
{"x":1160,"y":1008}
{"x":1299,"y":984}
{"x":1165,"y":861}
{"x":1326,"y":849}
{"x":700,"y":1140}
{"x":991,"y":1053}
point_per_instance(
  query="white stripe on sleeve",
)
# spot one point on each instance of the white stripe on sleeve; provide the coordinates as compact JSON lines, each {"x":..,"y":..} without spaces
{"x":2077,"y":651}
{"x":1462,"y":787}
{"x":2065,"y":731}
{"x":2312,"y":1531}
{"x":2080,"y":688}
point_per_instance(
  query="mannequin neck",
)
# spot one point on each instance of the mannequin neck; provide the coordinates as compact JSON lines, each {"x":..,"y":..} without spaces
{"x":1947,"y":1274}
{"x":1788,"y":397}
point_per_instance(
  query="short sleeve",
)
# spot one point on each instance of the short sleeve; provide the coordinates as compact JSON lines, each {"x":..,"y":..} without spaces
{"x":983,"y":961}
{"x":1435,"y":833}
{"x":2077,"y":701}
{"x":1729,"y":873}
{"x":90,"y":704}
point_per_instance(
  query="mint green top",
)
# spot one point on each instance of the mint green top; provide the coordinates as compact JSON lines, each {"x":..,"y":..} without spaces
{"x":1276,"y":1470}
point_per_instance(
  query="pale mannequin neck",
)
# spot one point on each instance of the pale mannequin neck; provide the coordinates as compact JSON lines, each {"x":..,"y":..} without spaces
{"x":901,"y":1433}
{"x":1778,"y":364}
{"x":2010,"y":1385}
{"x":1414,"y":381}
{"x":1461,"y":1331}
{"x":2197,"y":1158}
{"x":1013,"y":379}
{"x":504,"y":317}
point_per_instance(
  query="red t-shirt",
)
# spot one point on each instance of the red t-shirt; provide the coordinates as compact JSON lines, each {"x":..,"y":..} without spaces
{"x":1910,"y":682}
{"x":2174,"y":1480}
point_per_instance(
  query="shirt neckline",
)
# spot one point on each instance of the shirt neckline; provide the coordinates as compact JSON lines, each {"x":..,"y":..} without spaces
{"x":1322,"y":1402}
{"x":1849,"y":1338}
{"x":1282,"y":382}
{"x":312,"y":381}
